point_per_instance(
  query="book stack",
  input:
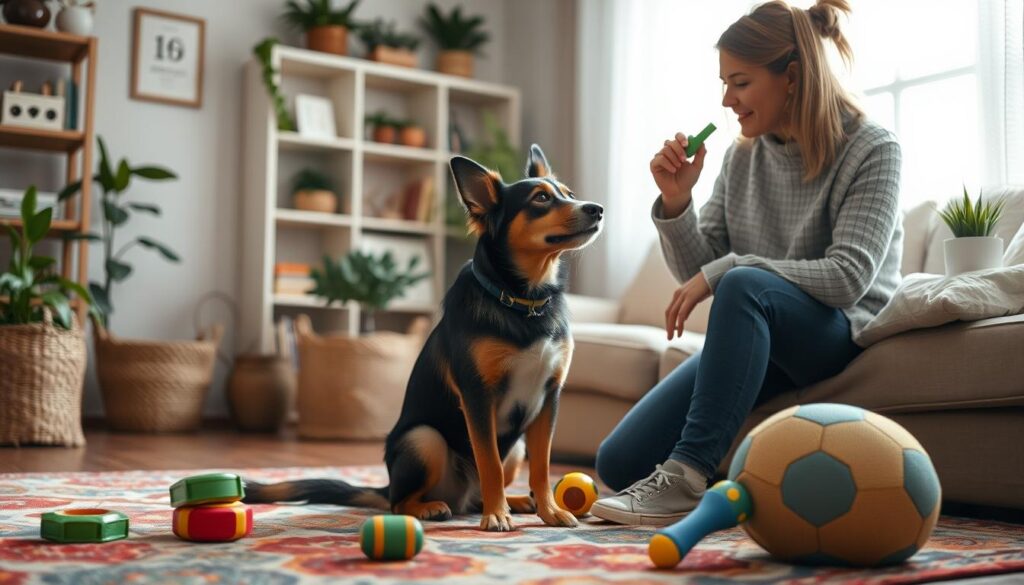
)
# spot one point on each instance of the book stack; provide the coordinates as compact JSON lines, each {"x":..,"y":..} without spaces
{"x":291,"y":278}
{"x":417,"y":199}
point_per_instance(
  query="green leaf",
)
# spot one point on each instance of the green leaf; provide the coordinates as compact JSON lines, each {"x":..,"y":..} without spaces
{"x":76,"y":288}
{"x":106,"y":174}
{"x":61,"y":308}
{"x":100,"y":298}
{"x":124,"y":175}
{"x":153,"y":173}
{"x":36,"y":228}
{"x":164,"y":250}
{"x":145,"y":207}
{"x":114,"y":214}
{"x":41,"y":263}
{"x":28,"y":205}
{"x":69,"y":190}
{"x":118,"y":270}
{"x":89,"y":236}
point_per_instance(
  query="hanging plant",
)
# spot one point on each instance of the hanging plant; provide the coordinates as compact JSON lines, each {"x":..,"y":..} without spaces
{"x":263,"y":51}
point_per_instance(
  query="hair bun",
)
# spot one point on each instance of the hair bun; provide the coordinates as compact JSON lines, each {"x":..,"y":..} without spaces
{"x":825,"y":17}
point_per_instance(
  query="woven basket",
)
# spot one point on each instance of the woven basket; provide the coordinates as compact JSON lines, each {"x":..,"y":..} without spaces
{"x":353,"y":387}
{"x":154,"y":386}
{"x":42,"y":369}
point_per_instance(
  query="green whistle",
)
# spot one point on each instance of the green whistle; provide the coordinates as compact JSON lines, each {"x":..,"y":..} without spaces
{"x":694,"y":142}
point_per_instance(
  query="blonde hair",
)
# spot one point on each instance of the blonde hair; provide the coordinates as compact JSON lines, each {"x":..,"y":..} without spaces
{"x":776,"y":34}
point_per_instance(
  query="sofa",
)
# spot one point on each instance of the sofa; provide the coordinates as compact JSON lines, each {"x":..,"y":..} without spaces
{"x":959,"y":388}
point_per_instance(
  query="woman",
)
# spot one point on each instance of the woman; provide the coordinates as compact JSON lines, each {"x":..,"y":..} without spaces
{"x":800,"y":244}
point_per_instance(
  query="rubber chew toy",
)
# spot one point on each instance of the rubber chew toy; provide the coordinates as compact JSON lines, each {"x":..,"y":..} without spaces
{"x":723,"y":506}
{"x":694,"y":142}
{"x":84,"y":525}
{"x":391,"y":537}
{"x":576,"y":492}
{"x":210,"y":488}
{"x":213,"y":522}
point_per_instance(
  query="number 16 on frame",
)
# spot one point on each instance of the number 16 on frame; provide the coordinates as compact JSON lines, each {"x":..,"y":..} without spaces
{"x":167,"y":58}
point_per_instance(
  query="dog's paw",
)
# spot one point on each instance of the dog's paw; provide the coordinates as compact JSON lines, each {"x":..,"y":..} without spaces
{"x":555,"y":516}
{"x":522,"y":504}
{"x":436,"y":511}
{"x":497,"y":522}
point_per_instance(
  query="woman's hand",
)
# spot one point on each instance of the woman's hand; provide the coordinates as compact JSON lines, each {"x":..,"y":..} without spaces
{"x":675,"y":175}
{"x":684,"y":300}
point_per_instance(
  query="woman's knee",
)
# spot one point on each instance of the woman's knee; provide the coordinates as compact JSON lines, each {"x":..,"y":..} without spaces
{"x":743,"y":282}
{"x":610,"y":464}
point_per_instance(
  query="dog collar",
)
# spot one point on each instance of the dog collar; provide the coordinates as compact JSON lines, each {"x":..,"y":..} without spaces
{"x":528,"y":306}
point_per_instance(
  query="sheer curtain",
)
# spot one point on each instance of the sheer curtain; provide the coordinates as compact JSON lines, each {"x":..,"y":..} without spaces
{"x":648,"y":69}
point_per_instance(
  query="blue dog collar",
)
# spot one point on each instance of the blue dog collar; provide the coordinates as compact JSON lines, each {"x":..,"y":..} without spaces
{"x":528,"y":306}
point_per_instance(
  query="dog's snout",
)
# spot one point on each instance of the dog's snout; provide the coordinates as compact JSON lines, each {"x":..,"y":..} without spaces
{"x":594,"y":210}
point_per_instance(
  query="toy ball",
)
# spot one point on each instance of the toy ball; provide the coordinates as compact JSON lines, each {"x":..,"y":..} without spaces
{"x":576,"y":492}
{"x":828,"y":484}
{"x":213,"y":522}
{"x":388,"y":537}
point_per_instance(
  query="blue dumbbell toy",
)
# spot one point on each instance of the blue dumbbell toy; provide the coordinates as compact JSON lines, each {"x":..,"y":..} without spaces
{"x":723,"y":506}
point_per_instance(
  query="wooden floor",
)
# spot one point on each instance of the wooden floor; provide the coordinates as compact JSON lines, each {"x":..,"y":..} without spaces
{"x":206,"y":449}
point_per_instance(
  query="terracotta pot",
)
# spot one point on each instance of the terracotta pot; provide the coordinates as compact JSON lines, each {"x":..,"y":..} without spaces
{"x":320,"y":200}
{"x":385,"y":134}
{"x":260,"y":392}
{"x":27,"y":13}
{"x":393,"y":56}
{"x":328,"y":39}
{"x":455,"y":63}
{"x":413,"y":136}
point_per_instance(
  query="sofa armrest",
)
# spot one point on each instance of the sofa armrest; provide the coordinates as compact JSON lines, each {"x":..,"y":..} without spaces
{"x":584,"y":309}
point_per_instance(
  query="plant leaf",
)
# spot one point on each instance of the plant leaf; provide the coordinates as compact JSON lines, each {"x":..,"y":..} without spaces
{"x":69,"y":190}
{"x":28,"y":205}
{"x":106,"y":174}
{"x":62,"y":309}
{"x":89,"y":236}
{"x":164,"y":250}
{"x":37,"y":227}
{"x":145,"y":207}
{"x":154,"y":173}
{"x":124,"y":175}
{"x":41,"y":263}
{"x":114,"y":214}
{"x":100,"y":298}
{"x":76,"y":288}
{"x":118,"y":270}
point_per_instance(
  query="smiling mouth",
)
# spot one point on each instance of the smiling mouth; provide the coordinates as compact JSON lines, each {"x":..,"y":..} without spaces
{"x":743,"y":116}
{"x":566,"y":237}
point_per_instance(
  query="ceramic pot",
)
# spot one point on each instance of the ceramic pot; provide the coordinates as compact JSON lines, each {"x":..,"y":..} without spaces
{"x":413,"y":136}
{"x":260,"y":392}
{"x":320,"y":200}
{"x":393,"y":56}
{"x":385,"y":134}
{"x":970,"y":254}
{"x":76,"y":20}
{"x":455,"y":63}
{"x":27,"y":13}
{"x":328,"y":39}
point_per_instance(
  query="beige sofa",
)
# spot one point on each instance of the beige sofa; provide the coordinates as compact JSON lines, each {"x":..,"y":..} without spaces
{"x":958,"y":388}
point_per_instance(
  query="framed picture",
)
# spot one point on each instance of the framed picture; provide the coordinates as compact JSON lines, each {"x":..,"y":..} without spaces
{"x":167,"y":58}
{"x":314,"y":116}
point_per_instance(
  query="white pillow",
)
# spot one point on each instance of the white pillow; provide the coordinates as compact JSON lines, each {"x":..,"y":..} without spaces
{"x":1015,"y":249}
{"x":929,"y":300}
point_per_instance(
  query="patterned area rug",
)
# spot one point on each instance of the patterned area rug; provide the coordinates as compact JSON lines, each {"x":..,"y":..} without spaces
{"x":319,"y":544}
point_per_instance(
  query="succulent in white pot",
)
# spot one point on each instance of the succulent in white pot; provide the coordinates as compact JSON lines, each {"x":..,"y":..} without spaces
{"x":973,"y":246}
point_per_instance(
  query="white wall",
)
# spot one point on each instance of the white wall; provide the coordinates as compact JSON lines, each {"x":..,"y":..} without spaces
{"x":201,"y":209}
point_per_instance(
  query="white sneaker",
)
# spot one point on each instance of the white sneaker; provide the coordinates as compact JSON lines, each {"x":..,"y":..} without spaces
{"x":660,"y":499}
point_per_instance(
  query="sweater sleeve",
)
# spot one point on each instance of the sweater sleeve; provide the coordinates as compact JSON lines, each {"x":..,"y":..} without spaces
{"x":863,"y":229}
{"x":689,"y":243}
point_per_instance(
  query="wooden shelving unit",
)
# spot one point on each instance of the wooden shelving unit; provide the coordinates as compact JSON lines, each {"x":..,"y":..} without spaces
{"x":75,"y":145}
{"x":363,"y":171}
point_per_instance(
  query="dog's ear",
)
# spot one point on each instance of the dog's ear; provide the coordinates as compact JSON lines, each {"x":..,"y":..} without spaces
{"x":479,"y":188}
{"x":537,"y":164}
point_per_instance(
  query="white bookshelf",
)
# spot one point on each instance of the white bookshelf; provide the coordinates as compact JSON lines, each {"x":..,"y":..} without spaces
{"x":363,"y":171}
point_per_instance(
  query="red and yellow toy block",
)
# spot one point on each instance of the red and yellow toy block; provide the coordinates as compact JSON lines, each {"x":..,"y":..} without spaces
{"x":213,"y":522}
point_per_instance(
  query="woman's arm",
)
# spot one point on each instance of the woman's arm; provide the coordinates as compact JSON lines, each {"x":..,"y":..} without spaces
{"x":860,"y":239}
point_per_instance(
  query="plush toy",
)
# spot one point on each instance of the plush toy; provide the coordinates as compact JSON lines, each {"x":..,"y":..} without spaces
{"x":820,"y":484}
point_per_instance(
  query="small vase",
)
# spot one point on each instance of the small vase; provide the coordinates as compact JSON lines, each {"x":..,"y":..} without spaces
{"x":455,"y":63}
{"x":76,"y":20}
{"x":970,"y":254}
{"x":328,"y":39}
{"x":413,"y":136}
{"x":27,"y":13}
{"x":385,"y":134}
{"x":320,"y":200}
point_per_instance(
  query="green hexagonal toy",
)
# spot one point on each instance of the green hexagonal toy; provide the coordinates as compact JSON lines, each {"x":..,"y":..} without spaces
{"x":209,"y":488}
{"x":83,"y":525}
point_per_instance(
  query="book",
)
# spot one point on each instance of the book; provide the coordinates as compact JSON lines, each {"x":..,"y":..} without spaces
{"x":292,"y":269}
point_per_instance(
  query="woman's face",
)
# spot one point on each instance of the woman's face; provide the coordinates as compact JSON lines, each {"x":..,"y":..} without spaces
{"x":756,"y":95}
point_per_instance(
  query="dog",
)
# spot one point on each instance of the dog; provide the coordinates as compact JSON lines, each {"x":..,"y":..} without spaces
{"x":484,"y":389}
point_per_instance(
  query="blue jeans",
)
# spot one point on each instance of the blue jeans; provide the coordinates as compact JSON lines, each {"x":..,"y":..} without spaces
{"x":765,"y":336}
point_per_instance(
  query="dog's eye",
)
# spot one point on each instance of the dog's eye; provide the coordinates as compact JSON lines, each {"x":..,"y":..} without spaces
{"x":542,"y":197}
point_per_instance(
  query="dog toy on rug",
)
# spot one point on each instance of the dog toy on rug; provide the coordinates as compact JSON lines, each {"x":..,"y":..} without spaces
{"x":83,"y":525}
{"x":207,"y":508}
{"x":576,"y":492}
{"x":391,"y":537}
{"x":824,"y":484}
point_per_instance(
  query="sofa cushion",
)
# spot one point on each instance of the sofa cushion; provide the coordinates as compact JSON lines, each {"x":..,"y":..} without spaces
{"x":1015,"y":249}
{"x":917,"y":231}
{"x":678,"y":351}
{"x":617,"y":360}
{"x":645,"y":300}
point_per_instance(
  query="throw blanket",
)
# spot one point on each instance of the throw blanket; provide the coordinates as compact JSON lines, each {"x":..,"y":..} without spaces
{"x":928,"y":300}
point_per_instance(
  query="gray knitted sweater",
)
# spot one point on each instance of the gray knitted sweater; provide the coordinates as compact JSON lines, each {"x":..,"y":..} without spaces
{"x":838,"y":238}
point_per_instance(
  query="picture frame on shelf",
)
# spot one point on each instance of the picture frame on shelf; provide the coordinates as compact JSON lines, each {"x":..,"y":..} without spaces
{"x":167,"y":58}
{"x":314,"y":116}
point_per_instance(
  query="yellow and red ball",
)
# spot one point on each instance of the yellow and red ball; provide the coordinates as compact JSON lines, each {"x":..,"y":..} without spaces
{"x":576,"y":492}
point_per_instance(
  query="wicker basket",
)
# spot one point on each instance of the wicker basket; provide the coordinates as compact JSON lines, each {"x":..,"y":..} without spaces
{"x":42,"y":369}
{"x":353,"y":387}
{"x":154,"y":386}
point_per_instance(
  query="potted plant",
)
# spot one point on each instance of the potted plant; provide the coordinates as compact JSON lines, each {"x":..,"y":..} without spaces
{"x":458,"y":39}
{"x":370,"y":280}
{"x":352,"y":387}
{"x":972,"y":247}
{"x":384,"y":129}
{"x":263,"y":51}
{"x":42,"y":348}
{"x":313,"y":191}
{"x":385,"y":45}
{"x":146,"y":385}
{"x":410,"y":133}
{"x":326,"y":28}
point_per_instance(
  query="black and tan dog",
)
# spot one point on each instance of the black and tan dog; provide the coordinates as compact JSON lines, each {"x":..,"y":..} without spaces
{"x":491,"y":371}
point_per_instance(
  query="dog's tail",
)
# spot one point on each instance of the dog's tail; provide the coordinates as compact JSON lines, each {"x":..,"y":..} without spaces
{"x":317,"y":491}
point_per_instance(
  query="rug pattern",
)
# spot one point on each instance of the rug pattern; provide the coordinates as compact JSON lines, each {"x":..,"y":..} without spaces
{"x":319,"y":544}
